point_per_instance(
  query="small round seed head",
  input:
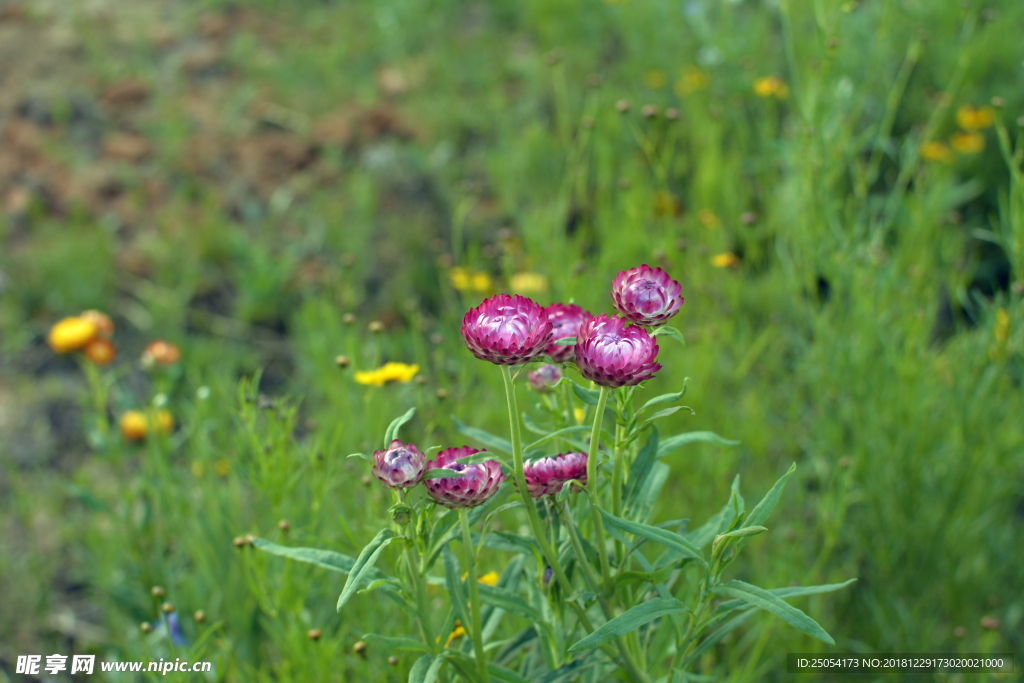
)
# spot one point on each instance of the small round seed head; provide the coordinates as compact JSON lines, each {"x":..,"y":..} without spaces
{"x":393,"y":660}
{"x":238,"y":541}
{"x":959,"y":632}
{"x":199,"y":617}
{"x":649,"y":111}
{"x":284,"y":525}
{"x":375,"y":326}
{"x":167,"y":607}
{"x":420,"y":379}
{"x":348,"y":318}
{"x":622,"y":106}
{"x":998,"y":102}
{"x":314,"y":634}
{"x":146,"y":627}
{"x":359,"y":648}
{"x":748,"y":217}
{"x":342,"y":361}
{"x":672,"y":114}
{"x":249,"y":538}
{"x":157,"y":591}
{"x":442,"y":394}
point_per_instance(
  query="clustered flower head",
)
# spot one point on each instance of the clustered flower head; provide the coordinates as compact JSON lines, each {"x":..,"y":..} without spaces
{"x":475,"y":485}
{"x":401,"y":466}
{"x":612,"y":354}
{"x":545,"y":476}
{"x":565,"y":320}
{"x":506,"y":330}
{"x":544,"y":378}
{"x":645,"y":295}
{"x":88,"y":332}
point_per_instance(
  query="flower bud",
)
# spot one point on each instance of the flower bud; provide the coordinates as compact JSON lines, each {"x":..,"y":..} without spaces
{"x":238,"y":541}
{"x":104,"y":325}
{"x":134,"y":425}
{"x":71,"y":334}
{"x":199,"y":617}
{"x":544,"y":379}
{"x":393,"y":660}
{"x":100,"y":351}
{"x":146,"y":627}
{"x":613,"y":355}
{"x":442,"y":394}
{"x":375,"y":326}
{"x":359,"y":648}
{"x":342,"y":361}
{"x":314,"y":634}
{"x":649,"y":111}
{"x":646,"y":296}
{"x":401,"y":466}
{"x":506,"y":330}
{"x":400,"y":514}
{"x":475,"y":485}
{"x":167,"y":607}
{"x":545,"y":476}
{"x":157,"y":591}
{"x":160,"y":352}
{"x":622,"y":106}
{"x":284,"y":525}
{"x":348,"y":318}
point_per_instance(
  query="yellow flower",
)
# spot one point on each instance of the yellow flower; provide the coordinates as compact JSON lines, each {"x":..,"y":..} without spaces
{"x":975,"y":118}
{"x":708,"y":219}
{"x":967,"y":143}
{"x":164,"y":421}
{"x":725,"y":260}
{"x":771,"y":86}
{"x":222,"y":466}
{"x":936,"y":151}
{"x":1002,"y":329}
{"x":464,"y":279}
{"x":655,"y":79}
{"x":389,"y":372}
{"x":71,"y":334}
{"x":457,"y":632}
{"x":579,"y":413}
{"x":134,"y":425}
{"x":100,"y":351}
{"x":529,"y":283}
{"x":489,"y":579}
{"x":691,"y":80}
{"x":666,"y":204}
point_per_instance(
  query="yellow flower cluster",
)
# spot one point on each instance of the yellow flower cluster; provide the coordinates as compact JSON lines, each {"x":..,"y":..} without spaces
{"x":725,"y":260}
{"x":967,"y":140}
{"x":88,"y":332}
{"x":528,"y":283}
{"x":464,"y":279}
{"x":691,"y":79}
{"x":975,"y":118}
{"x":771,"y":86}
{"x":389,"y":372}
{"x":135,"y":424}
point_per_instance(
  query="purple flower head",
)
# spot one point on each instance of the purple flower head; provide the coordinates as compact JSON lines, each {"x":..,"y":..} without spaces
{"x":476,"y":484}
{"x":506,"y":330}
{"x":544,"y":378}
{"x":401,"y":466}
{"x":645,"y":295}
{"x":612,"y":354}
{"x":565,"y":322}
{"x":545,"y":476}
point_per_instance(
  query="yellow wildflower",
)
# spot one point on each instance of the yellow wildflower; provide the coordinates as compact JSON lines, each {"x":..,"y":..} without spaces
{"x":975,"y":118}
{"x":164,"y":421}
{"x":771,"y":86}
{"x":134,"y":425}
{"x":936,"y":151}
{"x":579,"y":413}
{"x":71,"y":334}
{"x":967,"y":143}
{"x":389,"y":372}
{"x":708,"y":218}
{"x":691,"y":80}
{"x":464,"y":279}
{"x":457,"y":632}
{"x":655,"y":79}
{"x":725,"y":260}
{"x":529,"y":283}
{"x":490,"y":578}
{"x":1002,"y":329}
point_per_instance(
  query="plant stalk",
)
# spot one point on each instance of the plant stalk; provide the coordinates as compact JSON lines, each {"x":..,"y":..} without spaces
{"x":474,"y":597}
{"x":602,"y":551}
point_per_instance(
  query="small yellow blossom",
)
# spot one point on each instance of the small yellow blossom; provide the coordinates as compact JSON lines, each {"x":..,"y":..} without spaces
{"x":464,"y":279}
{"x":936,"y":151}
{"x":1002,"y":329}
{"x":389,"y":372}
{"x":691,"y":80}
{"x":222,"y":466}
{"x":164,"y":421}
{"x":100,"y":351}
{"x":134,"y":425}
{"x":975,"y":118}
{"x":708,"y":219}
{"x":666,"y":204}
{"x":655,"y":79}
{"x":967,"y":143}
{"x":71,"y":334}
{"x":489,"y":579}
{"x":579,"y":413}
{"x":457,"y":632}
{"x":725,"y":260}
{"x":529,"y":283}
{"x":771,"y":86}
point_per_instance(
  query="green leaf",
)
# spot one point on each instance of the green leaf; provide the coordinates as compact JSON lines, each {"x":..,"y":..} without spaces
{"x":392,"y":432}
{"x":570,"y":671}
{"x":364,"y":565}
{"x":760,"y":513}
{"x":364,"y":456}
{"x":790,"y":592}
{"x":566,"y":341}
{"x":740,"y":533}
{"x":629,"y":621}
{"x":588,"y":396}
{"x":665,"y":398}
{"x":658,"y":415}
{"x":482,"y":456}
{"x":489,"y":440}
{"x":510,"y":543}
{"x":379,"y":583}
{"x":655,"y":577}
{"x":393,"y":643}
{"x":641,"y":467}
{"x":759,"y":597}
{"x":560,"y":432}
{"x":651,"y":490}
{"x":504,"y":674}
{"x":715,"y":636}
{"x":669,"y":332}
{"x":508,"y":601}
{"x":653,"y":533}
{"x":453,"y":582}
{"x":328,"y":559}
{"x":674,"y":442}
{"x":435,"y":473}
{"x":425,"y":669}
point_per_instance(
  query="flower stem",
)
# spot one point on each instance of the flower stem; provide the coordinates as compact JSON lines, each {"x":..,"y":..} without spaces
{"x":602,"y":551}
{"x":474,"y":597}
{"x":618,"y":472}
{"x":421,"y":598}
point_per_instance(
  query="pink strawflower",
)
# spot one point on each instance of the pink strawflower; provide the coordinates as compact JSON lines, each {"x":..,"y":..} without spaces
{"x":613,"y":354}
{"x":565,"y":321}
{"x":645,"y":295}
{"x":401,"y":466}
{"x":506,"y":330}
{"x":477,"y":484}
{"x":545,"y":476}
{"x":544,"y":378}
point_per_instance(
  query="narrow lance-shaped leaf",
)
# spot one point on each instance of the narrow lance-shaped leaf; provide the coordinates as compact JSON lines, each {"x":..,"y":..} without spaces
{"x":674,"y":442}
{"x":788,"y":592}
{"x":396,"y":424}
{"x":759,"y":597}
{"x":454,"y":584}
{"x":393,"y":643}
{"x":666,"y":398}
{"x":763,"y":509}
{"x":588,"y":396}
{"x":491,"y":441}
{"x":630,"y":620}
{"x":560,"y":432}
{"x":364,"y":564}
{"x":435,"y":473}
{"x":668,"y":331}
{"x":653,"y":533}
{"x":641,"y":467}
{"x":327,"y":559}
{"x":425,"y":669}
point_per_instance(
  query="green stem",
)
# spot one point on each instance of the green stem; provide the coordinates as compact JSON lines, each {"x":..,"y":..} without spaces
{"x":602,"y":551}
{"x":421,"y":599}
{"x":538,"y":528}
{"x":474,"y":597}
{"x":618,"y":474}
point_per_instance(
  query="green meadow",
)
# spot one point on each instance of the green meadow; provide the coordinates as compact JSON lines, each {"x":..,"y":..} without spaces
{"x":837,"y":185}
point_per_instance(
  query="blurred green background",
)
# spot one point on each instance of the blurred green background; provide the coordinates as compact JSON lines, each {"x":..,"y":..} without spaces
{"x":835,"y":184}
